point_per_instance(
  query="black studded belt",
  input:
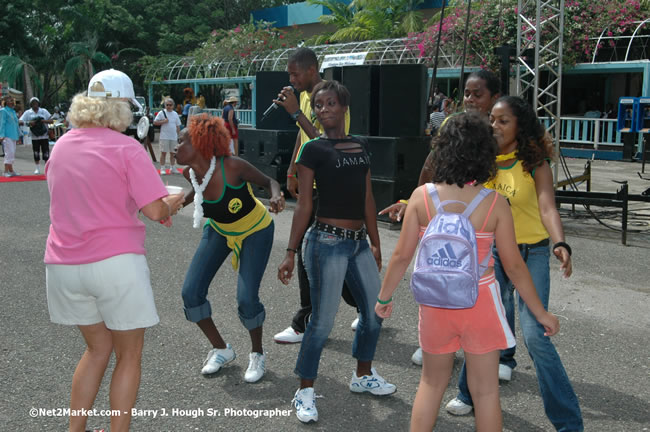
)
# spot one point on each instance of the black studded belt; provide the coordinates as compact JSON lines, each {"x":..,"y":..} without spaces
{"x":341,"y":232}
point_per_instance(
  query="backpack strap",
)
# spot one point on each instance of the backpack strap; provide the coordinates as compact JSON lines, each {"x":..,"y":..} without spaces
{"x":433,"y":191}
{"x":476,"y":201}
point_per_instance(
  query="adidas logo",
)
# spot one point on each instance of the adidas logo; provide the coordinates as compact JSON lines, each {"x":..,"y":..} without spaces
{"x":445,"y":257}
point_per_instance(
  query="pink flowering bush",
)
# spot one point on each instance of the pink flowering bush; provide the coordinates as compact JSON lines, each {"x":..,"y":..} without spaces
{"x":244,"y":42}
{"x":491,"y":27}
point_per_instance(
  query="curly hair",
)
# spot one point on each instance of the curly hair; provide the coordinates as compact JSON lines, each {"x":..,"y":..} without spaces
{"x":339,"y":89}
{"x":209,"y":136}
{"x":105,"y":112}
{"x":534,"y":144}
{"x":464,"y":151}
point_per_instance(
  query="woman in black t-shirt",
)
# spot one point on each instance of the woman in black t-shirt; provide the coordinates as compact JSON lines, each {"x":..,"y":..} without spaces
{"x":335,"y":246}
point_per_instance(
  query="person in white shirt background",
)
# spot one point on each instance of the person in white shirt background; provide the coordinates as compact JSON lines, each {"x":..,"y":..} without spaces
{"x":37,"y":119}
{"x":170,"y":128}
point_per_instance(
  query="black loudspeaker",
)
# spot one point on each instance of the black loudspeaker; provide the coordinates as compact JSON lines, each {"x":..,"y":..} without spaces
{"x":276,"y":172}
{"x":267,"y":86}
{"x":387,"y":192}
{"x":267,"y":147}
{"x":363,"y":82}
{"x":398,"y":158}
{"x":333,"y":73}
{"x":402,"y":100}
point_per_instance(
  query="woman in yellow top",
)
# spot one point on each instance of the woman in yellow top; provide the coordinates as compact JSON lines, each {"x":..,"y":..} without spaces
{"x":524,"y":178}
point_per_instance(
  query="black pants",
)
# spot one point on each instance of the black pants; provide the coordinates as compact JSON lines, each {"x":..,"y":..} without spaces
{"x":302,"y":317}
{"x":41,"y":146}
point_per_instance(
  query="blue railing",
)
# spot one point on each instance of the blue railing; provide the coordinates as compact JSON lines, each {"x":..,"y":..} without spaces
{"x":245,"y":117}
{"x":589,"y":131}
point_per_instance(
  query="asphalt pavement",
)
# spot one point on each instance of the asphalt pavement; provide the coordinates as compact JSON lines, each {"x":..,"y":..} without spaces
{"x":603,"y":310}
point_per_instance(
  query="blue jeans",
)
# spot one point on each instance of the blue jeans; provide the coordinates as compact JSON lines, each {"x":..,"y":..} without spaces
{"x":560,"y":401}
{"x":329,"y":260}
{"x":211,"y":253}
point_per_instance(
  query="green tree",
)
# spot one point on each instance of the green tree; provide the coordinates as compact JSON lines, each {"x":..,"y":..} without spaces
{"x":18,"y":73}
{"x":85,"y":56}
{"x":369,"y":19}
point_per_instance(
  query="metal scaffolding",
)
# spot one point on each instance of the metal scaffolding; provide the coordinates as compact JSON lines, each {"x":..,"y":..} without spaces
{"x":540,"y":29}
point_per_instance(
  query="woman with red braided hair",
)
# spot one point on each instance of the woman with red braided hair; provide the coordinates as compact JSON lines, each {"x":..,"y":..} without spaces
{"x":237,"y":222}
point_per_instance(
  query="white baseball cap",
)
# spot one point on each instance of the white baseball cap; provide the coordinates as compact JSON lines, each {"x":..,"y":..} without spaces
{"x":112,"y":83}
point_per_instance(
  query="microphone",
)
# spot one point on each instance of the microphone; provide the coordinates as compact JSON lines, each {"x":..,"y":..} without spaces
{"x":269,"y":110}
{"x":272,"y":107}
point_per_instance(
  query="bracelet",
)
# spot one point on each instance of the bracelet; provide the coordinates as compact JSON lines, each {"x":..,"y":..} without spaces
{"x":403,"y":202}
{"x":380,"y":301}
{"x":292,"y":176}
{"x":292,"y":250}
{"x":169,"y":209}
{"x":564,"y":245}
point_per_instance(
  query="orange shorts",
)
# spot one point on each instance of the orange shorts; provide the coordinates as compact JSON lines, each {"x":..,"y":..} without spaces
{"x":477,"y":330}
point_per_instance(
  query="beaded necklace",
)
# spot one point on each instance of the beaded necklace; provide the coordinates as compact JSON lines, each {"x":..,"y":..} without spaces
{"x":198,"y":191}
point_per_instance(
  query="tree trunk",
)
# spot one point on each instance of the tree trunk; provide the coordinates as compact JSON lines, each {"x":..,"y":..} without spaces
{"x":89,"y":65}
{"x":29,"y":90}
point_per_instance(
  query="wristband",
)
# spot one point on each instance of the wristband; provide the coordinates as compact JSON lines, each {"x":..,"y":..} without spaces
{"x":291,"y":176}
{"x":380,"y":301}
{"x":564,"y":245}
{"x":295,"y":115}
{"x":403,"y":202}
{"x":292,"y":250}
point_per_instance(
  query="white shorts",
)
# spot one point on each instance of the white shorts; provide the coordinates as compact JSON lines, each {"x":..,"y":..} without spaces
{"x":116,"y":291}
{"x":9,"y":150}
{"x":168,"y":145}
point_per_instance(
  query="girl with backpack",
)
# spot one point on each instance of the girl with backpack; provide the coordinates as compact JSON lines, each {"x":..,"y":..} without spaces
{"x":463,"y":154}
{"x":524,"y":176}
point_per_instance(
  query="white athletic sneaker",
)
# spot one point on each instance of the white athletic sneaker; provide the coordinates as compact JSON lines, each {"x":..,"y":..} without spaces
{"x":505,"y":372}
{"x":217,"y":358}
{"x":416,"y":358}
{"x":458,"y":407}
{"x":162,"y":171}
{"x":374,"y":384}
{"x":256,"y":367}
{"x":37,"y":171}
{"x":304,"y":401}
{"x":288,"y":336}
{"x":355,"y":324}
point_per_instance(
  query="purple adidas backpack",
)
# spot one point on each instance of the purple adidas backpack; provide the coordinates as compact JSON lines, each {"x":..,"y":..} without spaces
{"x":447,"y":271}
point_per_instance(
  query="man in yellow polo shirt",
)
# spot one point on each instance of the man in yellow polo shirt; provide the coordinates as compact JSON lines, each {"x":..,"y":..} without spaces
{"x":303,"y":68}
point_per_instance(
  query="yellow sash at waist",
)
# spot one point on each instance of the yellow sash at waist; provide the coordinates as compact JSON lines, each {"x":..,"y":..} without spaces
{"x":235,"y":232}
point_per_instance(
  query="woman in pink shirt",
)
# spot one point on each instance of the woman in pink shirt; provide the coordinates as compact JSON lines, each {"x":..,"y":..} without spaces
{"x":96,"y":272}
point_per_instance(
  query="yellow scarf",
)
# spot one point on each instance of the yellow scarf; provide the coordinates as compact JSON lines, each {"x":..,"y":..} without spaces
{"x":236,"y":232}
{"x":508,"y":156}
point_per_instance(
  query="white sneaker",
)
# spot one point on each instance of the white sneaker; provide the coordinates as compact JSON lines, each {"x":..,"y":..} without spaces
{"x":217,"y":358}
{"x":355,"y":324}
{"x":304,"y":401}
{"x":174,"y":170}
{"x":505,"y":372}
{"x":256,"y":367}
{"x":162,"y":171}
{"x":288,"y":336}
{"x":458,"y":407}
{"x":37,"y":171}
{"x":374,"y":384}
{"x":416,"y":358}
